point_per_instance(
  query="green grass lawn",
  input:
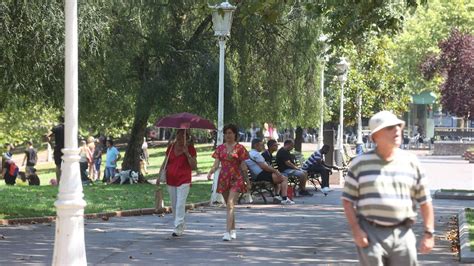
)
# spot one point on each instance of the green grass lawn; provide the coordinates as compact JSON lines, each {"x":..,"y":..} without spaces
{"x":26,"y":201}
{"x":470,"y":221}
{"x":37,"y":201}
{"x":46,"y":171}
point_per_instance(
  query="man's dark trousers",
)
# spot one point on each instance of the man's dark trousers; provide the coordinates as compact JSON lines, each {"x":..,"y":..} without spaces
{"x":318,"y":168}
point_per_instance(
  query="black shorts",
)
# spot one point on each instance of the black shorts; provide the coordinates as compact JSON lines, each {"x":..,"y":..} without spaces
{"x":264,"y":176}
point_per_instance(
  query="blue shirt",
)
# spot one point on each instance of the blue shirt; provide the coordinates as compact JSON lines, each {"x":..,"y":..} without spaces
{"x":312,"y":160}
{"x":112,"y":154}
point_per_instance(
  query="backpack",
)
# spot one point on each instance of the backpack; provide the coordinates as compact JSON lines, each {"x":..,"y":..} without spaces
{"x":33,"y":158}
{"x":13,"y":169}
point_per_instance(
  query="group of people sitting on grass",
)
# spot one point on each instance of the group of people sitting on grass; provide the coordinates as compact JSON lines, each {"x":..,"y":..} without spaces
{"x":11,"y":171}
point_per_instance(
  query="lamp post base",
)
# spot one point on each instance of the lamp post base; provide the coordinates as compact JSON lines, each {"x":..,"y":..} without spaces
{"x":216,"y":197}
{"x":320,"y":142}
{"x":338,"y":157}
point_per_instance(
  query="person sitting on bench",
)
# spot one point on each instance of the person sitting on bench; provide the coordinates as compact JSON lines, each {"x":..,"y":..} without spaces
{"x":315,"y":164}
{"x":261,"y":171}
{"x":287,"y":166}
{"x":268,"y":153}
{"x":268,"y":156}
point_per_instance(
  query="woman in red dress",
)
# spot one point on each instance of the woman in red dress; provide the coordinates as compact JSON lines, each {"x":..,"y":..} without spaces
{"x":231,"y":155}
{"x":181,"y":157}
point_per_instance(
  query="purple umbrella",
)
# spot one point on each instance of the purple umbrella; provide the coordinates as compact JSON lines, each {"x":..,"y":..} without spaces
{"x":185,"y":121}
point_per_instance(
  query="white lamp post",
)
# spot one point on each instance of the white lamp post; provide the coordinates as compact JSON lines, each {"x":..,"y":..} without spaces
{"x":222,"y":22}
{"x":359,"y":142}
{"x":343,"y":67}
{"x":69,"y":245}
{"x":322,"y":39}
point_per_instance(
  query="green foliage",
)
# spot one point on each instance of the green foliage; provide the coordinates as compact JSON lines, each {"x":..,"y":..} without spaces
{"x":141,"y":60}
{"x":32,"y":45}
{"x":470,"y":221}
{"x":423,"y":31}
{"x":385,"y":69}
{"x":275,"y":63}
{"x":371,"y":75}
{"x":26,"y":122}
{"x":455,"y":64}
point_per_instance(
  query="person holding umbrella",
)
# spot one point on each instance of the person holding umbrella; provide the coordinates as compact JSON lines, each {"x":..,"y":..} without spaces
{"x":233,"y":176}
{"x":181,"y":160}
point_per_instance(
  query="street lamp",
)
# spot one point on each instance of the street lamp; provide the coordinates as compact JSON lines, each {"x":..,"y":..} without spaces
{"x":222,"y":22}
{"x":343,"y":68}
{"x":69,"y":245}
{"x":359,"y":142}
{"x":322,"y":39}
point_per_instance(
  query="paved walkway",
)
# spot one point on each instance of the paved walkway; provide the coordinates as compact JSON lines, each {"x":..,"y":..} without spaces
{"x":312,"y":232}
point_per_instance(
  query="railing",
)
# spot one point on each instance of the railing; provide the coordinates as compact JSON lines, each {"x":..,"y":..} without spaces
{"x":453,"y":133}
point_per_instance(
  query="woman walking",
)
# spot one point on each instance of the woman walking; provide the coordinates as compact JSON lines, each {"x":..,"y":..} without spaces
{"x":233,"y":174}
{"x":181,"y":160}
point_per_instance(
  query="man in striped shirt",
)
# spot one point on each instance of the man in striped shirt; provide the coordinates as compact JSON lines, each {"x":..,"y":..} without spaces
{"x":315,"y":164}
{"x":381,"y":191}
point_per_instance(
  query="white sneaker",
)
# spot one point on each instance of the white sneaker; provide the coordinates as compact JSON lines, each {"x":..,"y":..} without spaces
{"x":248,"y":197}
{"x":278,"y":198}
{"x":226,"y":237}
{"x":326,"y":189}
{"x":287,"y":202}
{"x":233,"y":234}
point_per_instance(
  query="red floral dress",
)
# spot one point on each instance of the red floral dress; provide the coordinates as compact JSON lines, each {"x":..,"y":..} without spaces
{"x":230,"y":177}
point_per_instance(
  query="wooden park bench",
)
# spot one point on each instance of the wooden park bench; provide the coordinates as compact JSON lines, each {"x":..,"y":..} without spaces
{"x":313,"y":178}
{"x":259,"y":188}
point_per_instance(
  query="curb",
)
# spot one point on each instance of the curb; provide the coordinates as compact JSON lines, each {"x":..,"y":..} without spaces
{"x":466,"y":255}
{"x":101,"y":215}
{"x":454,"y":195}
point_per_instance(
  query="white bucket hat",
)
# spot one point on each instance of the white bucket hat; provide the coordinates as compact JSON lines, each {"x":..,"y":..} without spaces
{"x":382,"y":120}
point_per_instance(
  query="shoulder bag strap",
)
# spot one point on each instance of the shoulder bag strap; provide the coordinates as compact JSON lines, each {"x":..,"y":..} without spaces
{"x":167,"y":157}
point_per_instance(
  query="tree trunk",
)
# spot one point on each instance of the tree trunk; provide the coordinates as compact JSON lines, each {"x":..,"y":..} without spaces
{"x":298,"y":139}
{"x":145,"y":101}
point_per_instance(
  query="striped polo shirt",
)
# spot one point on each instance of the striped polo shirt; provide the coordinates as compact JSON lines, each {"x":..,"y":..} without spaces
{"x":312,"y":160}
{"x":386,"y":192}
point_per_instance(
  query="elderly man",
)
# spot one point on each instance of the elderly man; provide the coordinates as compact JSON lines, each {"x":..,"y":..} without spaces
{"x":380,"y":195}
{"x":261,"y":171}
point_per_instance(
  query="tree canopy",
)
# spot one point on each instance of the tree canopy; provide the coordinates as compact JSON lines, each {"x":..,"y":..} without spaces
{"x":140,"y":60}
{"x":455,"y":64}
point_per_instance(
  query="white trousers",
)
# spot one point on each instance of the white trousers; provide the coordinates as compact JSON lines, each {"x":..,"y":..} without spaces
{"x":178,"y":196}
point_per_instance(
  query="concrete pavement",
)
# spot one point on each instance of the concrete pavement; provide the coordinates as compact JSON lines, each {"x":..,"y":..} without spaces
{"x":313,"y":231}
{"x":448,"y":172}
